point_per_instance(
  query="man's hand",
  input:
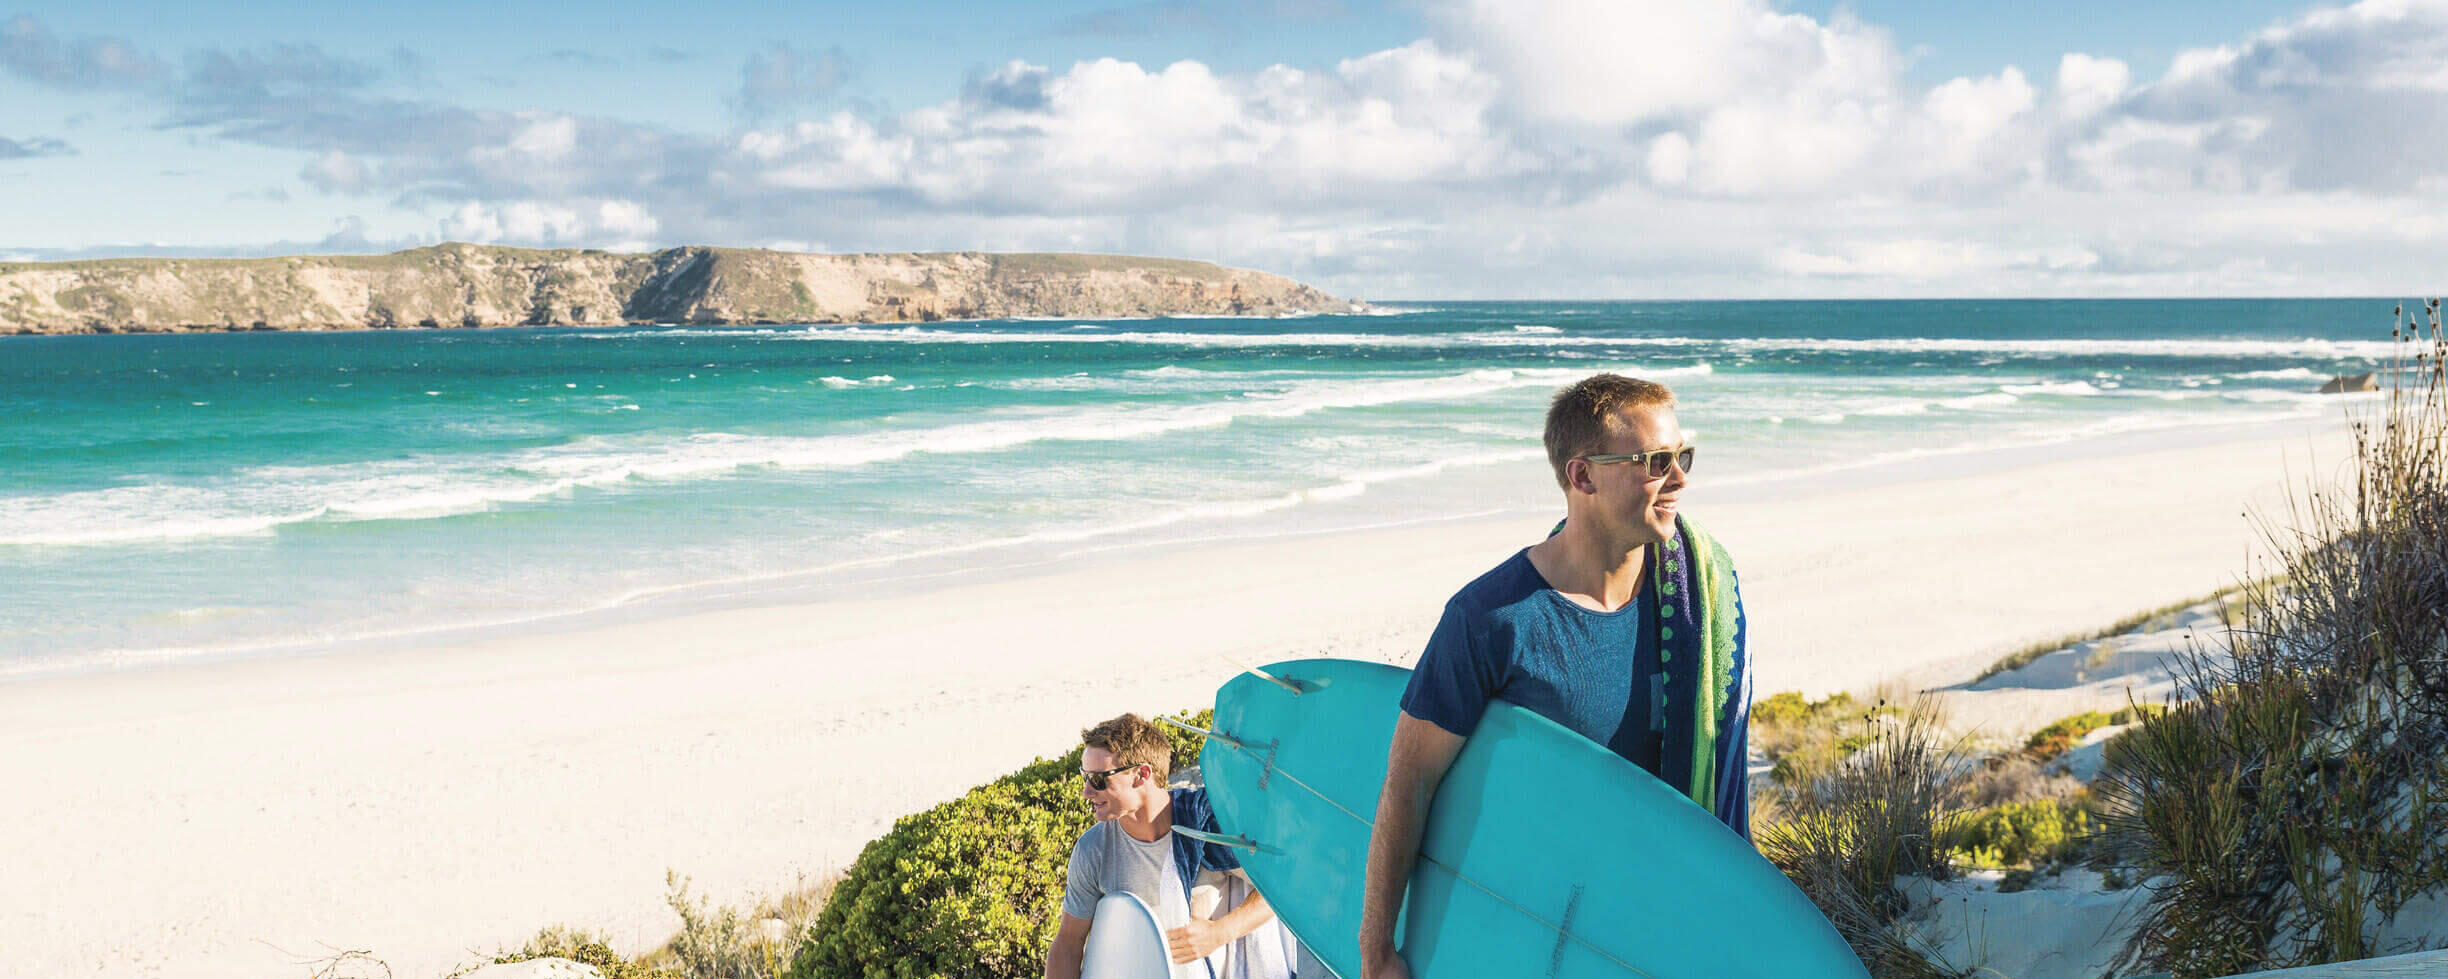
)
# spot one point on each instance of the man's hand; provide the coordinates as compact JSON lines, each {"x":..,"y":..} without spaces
{"x":1388,"y":964}
{"x":1197,"y":940}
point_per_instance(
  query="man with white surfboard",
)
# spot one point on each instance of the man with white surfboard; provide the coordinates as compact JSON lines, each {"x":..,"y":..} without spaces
{"x":1624,"y":626}
{"x":1125,"y":763}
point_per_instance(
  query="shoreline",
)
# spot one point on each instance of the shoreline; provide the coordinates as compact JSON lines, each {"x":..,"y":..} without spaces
{"x":420,"y":802}
{"x":1018,"y":559}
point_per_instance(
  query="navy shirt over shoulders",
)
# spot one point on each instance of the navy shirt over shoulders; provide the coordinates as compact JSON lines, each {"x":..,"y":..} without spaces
{"x":1508,"y":635}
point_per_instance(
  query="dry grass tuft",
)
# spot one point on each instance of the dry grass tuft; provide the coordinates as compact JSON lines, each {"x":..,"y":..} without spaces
{"x":1846,"y":827}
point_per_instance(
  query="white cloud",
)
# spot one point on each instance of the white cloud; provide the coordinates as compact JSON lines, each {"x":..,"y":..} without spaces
{"x":2086,"y":84}
{"x":1110,"y":136}
{"x":1970,"y":110}
{"x":335,"y":171}
{"x":1554,"y":147}
{"x":611,"y":223}
{"x":1921,"y":259}
{"x":1669,"y":161}
{"x":547,"y":139}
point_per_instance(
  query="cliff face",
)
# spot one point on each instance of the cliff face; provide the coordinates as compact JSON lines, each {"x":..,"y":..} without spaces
{"x":456,"y":285}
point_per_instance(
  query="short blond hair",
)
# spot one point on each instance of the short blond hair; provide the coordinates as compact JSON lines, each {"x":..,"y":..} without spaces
{"x":1134,"y":741}
{"x":1578,"y":418}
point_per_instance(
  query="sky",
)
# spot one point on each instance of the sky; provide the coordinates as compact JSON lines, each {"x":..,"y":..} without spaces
{"x":1380,"y":149}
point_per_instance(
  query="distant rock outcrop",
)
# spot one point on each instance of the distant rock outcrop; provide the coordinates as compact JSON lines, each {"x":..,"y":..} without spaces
{"x":456,"y":285}
{"x":2349,"y":383}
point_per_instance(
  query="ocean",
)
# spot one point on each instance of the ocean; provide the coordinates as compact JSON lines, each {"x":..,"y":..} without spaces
{"x":182,"y":497}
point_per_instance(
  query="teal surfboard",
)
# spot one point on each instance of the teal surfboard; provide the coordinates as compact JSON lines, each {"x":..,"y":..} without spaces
{"x":1125,"y":941}
{"x":1545,"y":854}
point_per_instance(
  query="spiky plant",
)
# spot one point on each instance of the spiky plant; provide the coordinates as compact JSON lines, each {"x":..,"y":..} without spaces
{"x":2299,"y":799}
{"x":1846,"y":828}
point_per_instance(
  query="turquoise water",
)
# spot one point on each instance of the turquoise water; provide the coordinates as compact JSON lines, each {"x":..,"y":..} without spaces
{"x":164,"y":497}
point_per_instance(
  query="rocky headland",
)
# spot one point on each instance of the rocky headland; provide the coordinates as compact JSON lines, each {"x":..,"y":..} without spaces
{"x":458,"y":285}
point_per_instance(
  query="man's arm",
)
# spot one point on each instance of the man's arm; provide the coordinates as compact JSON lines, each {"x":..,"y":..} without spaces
{"x":1415,"y":765}
{"x":1199,"y":939}
{"x":1070,"y":944}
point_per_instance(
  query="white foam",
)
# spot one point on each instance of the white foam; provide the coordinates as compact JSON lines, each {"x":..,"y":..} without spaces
{"x":2257,"y":396}
{"x":259,"y":500}
{"x":1998,"y":399}
{"x":2068,"y":389}
{"x":2283,"y":374}
{"x":1535,"y":329}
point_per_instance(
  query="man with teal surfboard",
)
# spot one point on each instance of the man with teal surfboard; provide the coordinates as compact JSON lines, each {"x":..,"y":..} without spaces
{"x":1179,"y":878}
{"x":1624,"y":626}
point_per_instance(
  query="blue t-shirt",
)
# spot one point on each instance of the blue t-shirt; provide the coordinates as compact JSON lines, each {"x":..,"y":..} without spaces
{"x":1508,"y":635}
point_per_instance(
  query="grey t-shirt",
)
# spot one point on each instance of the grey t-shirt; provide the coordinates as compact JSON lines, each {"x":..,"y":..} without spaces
{"x":1106,"y":860}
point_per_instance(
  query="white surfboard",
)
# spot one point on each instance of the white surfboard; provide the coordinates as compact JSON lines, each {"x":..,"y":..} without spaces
{"x":1125,"y":941}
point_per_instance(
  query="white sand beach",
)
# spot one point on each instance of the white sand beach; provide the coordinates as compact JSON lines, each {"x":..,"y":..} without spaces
{"x":236,"y":819}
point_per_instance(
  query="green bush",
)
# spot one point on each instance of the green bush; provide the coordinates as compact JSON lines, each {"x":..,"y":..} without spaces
{"x":969,"y":889}
{"x":1802,"y":737}
{"x":2062,"y":734}
{"x":1186,"y":746}
{"x":1780,"y":709}
{"x":1788,"y":709}
{"x":2019,"y":833}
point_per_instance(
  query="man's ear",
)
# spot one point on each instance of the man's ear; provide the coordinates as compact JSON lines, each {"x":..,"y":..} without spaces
{"x":1577,"y":473}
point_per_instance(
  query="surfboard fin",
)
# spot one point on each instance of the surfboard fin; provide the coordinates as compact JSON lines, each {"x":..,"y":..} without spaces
{"x":1236,"y":841}
{"x":1285,"y":682}
{"x":1203,"y":732}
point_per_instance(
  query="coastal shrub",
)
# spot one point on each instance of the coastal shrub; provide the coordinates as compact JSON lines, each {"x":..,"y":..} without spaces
{"x":1844,"y":833}
{"x":2019,"y":833}
{"x":723,"y":943}
{"x":1800,"y":738}
{"x":2062,"y":734}
{"x":1780,"y":710}
{"x":578,"y":945}
{"x":2012,"y":777}
{"x":1187,"y":745}
{"x":971,"y":888}
{"x":2299,"y":801}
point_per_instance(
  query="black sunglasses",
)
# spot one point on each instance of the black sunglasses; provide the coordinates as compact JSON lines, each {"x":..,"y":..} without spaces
{"x":1097,"y":780}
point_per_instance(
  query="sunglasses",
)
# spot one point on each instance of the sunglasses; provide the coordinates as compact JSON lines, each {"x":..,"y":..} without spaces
{"x":1679,"y":456}
{"x":1097,"y":780}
